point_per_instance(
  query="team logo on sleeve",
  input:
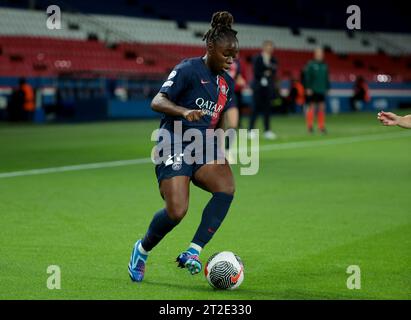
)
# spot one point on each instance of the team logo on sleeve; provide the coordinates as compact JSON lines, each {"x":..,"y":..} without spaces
{"x":223,"y":89}
{"x":172,"y":75}
{"x":168,"y":83}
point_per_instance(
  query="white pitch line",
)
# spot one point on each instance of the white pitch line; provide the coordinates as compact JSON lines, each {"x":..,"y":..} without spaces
{"x":335,"y":141}
{"x":268,"y":147}
{"x":86,"y":166}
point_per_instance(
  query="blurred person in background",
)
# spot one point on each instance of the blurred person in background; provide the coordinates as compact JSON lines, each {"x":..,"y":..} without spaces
{"x":296,"y":96}
{"x":391,"y":119}
{"x":15,"y":105}
{"x":316,"y":83}
{"x":265,"y":70}
{"x":27,"y":100}
{"x":233,"y":114}
{"x":360,"y":94}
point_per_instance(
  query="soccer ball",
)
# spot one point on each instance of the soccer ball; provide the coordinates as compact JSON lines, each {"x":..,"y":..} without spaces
{"x":224,"y":270}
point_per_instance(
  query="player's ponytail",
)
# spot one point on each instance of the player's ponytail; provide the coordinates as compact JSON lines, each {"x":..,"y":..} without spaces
{"x":220,"y":27}
{"x":223,"y":19}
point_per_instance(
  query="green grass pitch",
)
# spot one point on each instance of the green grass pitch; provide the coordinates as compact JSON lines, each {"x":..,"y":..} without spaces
{"x":312,"y":210}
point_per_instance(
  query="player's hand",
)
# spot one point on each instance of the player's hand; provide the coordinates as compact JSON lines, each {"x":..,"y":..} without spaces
{"x":241,"y":82}
{"x":388,"y":118}
{"x":193,"y":115}
{"x":309,"y":92}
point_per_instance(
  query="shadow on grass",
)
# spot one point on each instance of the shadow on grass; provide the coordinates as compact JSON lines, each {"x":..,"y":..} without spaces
{"x":194,"y":292}
{"x":206,"y":292}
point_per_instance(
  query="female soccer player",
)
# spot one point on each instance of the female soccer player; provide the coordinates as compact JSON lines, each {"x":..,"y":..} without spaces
{"x":195,"y":94}
{"x":391,"y":119}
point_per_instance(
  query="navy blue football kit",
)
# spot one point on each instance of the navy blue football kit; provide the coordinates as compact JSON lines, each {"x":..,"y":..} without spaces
{"x":192,"y":85}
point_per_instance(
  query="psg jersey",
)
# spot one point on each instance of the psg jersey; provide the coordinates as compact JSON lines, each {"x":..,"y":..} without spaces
{"x":193,"y":85}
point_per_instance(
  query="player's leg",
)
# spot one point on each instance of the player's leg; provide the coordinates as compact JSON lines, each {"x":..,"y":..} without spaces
{"x":353,"y":103}
{"x":218,"y":180}
{"x":267,"y":98}
{"x":309,"y":116}
{"x":321,"y":116}
{"x":175,"y":192}
{"x":255,"y":112}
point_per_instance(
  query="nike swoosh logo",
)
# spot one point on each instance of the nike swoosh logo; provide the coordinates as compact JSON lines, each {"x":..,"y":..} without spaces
{"x":235,"y":278}
{"x":204,"y":81}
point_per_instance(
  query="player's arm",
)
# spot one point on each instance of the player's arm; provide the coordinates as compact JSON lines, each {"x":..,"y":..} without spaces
{"x":307,"y":79}
{"x":240,"y":81}
{"x":177,"y":84}
{"x":162,"y":104}
{"x":328,"y":78}
{"x":391,"y":119}
{"x":221,"y":123}
{"x":221,"y":134}
{"x":405,"y":122}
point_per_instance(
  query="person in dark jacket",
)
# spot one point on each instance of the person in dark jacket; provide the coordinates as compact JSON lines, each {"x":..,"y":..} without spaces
{"x":265,"y":70}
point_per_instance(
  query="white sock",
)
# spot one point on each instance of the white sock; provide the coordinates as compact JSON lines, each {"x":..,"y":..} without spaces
{"x":196,"y":247}
{"x":141,"y":249}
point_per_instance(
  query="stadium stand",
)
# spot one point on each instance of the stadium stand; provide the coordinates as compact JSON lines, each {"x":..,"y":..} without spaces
{"x":113,"y":58}
{"x":119,"y":44}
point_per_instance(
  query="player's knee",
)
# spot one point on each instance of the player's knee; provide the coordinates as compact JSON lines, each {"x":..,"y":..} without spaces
{"x":177,"y":211}
{"x":228,"y":189}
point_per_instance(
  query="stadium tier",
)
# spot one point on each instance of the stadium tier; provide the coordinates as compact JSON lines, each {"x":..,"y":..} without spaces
{"x":116,"y":45}
{"x":43,"y":56}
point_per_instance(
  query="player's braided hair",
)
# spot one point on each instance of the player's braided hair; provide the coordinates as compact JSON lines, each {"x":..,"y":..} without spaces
{"x":220,"y":27}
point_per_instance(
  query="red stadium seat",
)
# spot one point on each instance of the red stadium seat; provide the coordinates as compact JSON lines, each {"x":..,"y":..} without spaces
{"x":50,"y":56}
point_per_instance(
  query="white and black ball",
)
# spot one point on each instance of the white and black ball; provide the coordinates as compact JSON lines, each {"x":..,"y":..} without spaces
{"x":224,"y":270}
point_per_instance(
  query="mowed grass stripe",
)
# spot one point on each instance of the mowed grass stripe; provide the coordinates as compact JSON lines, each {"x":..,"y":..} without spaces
{"x":268,"y":147}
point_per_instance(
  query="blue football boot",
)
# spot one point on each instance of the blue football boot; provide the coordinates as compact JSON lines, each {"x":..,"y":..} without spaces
{"x":190,"y":261}
{"x":137,"y":264}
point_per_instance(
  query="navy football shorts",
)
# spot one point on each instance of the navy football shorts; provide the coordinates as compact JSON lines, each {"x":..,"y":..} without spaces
{"x":176,"y":166}
{"x":315,"y":97}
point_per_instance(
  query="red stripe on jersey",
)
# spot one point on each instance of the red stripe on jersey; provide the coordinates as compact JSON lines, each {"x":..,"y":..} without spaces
{"x":221,"y":101}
